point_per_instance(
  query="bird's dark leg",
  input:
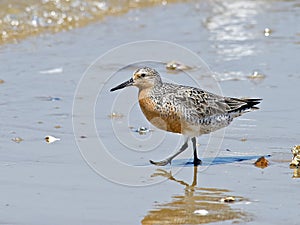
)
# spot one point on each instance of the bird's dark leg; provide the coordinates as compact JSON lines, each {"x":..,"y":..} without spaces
{"x":169,"y":159}
{"x":197,"y":161}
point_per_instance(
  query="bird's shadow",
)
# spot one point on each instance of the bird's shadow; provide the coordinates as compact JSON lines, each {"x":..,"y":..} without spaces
{"x":215,"y":160}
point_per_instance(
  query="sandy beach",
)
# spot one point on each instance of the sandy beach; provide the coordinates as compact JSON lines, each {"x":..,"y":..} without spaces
{"x":247,"y":48}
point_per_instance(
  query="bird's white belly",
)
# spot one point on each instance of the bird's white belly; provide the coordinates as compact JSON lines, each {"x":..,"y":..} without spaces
{"x":207,"y":125}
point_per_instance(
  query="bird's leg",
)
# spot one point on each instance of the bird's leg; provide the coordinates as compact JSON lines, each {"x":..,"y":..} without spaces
{"x":197,"y":161}
{"x":169,"y":159}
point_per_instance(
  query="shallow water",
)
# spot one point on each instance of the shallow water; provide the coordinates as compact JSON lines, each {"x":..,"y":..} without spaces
{"x":52,"y":182}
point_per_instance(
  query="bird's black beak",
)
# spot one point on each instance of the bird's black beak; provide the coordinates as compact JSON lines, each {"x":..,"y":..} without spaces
{"x":123,"y":85}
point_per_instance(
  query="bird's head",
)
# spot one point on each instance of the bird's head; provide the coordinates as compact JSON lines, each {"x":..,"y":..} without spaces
{"x":142,"y":78}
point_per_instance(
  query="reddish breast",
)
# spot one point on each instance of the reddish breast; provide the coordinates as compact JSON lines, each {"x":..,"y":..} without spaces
{"x":162,"y":119}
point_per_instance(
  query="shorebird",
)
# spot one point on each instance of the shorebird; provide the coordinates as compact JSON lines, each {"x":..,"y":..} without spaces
{"x":189,"y":111}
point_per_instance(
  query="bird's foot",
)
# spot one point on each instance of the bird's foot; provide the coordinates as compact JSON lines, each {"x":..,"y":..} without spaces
{"x":197,"y":162}
{"x":161,"y":163}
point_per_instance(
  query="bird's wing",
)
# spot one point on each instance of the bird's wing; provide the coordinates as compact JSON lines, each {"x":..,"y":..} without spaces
{"x":194,"y":104}
{"x":200,"y":104}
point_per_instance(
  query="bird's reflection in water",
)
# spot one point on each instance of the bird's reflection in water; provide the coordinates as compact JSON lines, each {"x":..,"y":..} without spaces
{"x":183,"y":208}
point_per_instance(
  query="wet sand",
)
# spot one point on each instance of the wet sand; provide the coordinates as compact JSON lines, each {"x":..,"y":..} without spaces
{"x":52,"y":183}
{"x":19,"y":19}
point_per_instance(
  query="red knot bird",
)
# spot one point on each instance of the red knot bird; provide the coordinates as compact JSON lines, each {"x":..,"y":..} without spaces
{"x":182,"y":109}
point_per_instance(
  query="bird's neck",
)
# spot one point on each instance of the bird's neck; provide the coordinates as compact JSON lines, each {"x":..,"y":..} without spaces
{"x":144,"y":92}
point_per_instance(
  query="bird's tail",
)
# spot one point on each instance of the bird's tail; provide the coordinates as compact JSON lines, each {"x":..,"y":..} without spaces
{"x":242,"y":105}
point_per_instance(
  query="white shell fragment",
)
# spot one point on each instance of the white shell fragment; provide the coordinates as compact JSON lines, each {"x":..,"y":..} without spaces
{"x":50,"y":139}
{"x":201,"y":212}
{"x":52,"y":71}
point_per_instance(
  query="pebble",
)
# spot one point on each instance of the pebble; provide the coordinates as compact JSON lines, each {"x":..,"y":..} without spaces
{"x":262,"y":162}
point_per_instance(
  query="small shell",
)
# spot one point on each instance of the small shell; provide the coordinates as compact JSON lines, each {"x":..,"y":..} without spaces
{"x":115,"y":115}
{"x":257,"y":75}
{"x":52,"y":99}
{"x":17,"y":139}
{"x":173,"y":65}
{"x":296,"y":156}
{"x":141,"y":130}
{"x":267,"y":32}
{"x":228,"y":199}
{"x":50,"y":139}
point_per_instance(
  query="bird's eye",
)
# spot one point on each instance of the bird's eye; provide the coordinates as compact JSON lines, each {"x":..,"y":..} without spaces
{"x":143,"y":75}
